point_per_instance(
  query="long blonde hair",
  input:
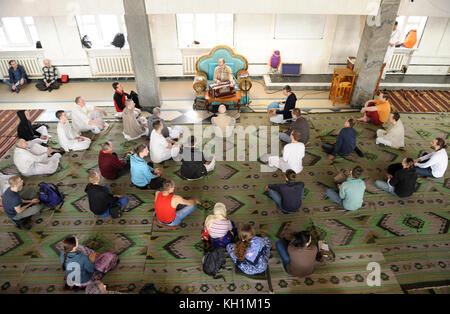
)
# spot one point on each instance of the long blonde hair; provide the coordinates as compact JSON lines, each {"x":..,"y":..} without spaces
{"x":220,"y":213}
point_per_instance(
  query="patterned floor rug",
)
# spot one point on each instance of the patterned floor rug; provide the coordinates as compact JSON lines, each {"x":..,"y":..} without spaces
{"x":408,"y":238}
{"x":419,"y":100}
{"x":8,"y":127}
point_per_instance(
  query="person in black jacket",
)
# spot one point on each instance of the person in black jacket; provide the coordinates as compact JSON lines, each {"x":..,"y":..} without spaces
{"x":120,"y":97}
{"x":17,"y":76}
{"x":289,"y":195}
{"x":194,"y":165}
{"x":403,"y":182}
{"x":29,"y":132}
{"x":345,"y":144}
{"x":101,"y":201}
{"x":285,"y":115}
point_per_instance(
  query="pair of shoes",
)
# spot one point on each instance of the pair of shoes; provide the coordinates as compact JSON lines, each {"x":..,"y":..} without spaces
{"x":23,"y":224}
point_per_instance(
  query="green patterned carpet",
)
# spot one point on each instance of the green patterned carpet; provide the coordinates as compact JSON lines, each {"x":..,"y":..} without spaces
{"x":408,"y":237}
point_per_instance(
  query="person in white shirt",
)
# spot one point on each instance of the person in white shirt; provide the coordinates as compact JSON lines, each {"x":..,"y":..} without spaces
{"x":87,"y":117}
{"x":161,"y":148}
{"x":433,"y":165}
{"x":293,"y":154}
{"x":30,"y":163}
{"x":68,"y":138}
{"x":394,"y":40}
{"x":395,"y":135}
{"x":223,"y":124}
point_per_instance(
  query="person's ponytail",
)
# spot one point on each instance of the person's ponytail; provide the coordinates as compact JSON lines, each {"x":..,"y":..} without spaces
{"x":246,"y":233}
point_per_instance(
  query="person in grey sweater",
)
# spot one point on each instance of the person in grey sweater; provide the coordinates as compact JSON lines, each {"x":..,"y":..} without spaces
{"x":300,"y":124}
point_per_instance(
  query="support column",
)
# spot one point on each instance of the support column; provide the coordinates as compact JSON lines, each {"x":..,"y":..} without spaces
{"x":139,"y":40}
{"x":371,"y":51}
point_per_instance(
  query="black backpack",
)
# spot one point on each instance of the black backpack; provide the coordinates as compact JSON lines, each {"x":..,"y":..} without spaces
{"x":118,"y":41}
{"x":86,"y":42}
{"x":213,"y":261}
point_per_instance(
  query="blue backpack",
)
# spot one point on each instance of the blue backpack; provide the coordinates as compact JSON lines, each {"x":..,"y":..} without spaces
{"x":50,"y":195}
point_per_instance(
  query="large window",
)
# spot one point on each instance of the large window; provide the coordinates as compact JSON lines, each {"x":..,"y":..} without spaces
{"x":18,"y":32}
{"x":208,"y":29}
{"x":407,"y":23}
{"x":101,"y":29}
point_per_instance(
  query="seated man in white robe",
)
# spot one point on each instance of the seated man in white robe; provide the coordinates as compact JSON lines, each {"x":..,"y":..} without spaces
{"x":68,"y":138}
{"x":161,"y":148}
{"x":33,"y":161}
{"x":87,"y":118}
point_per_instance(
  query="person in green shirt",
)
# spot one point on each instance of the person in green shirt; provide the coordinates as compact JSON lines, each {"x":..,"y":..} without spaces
{"x":351,"y":192}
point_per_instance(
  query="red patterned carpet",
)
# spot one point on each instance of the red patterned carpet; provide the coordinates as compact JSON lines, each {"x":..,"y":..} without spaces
{"x":419,"y":100}
{"x":8,"y":127}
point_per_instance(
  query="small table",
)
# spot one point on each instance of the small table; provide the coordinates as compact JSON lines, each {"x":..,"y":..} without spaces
{"x":235,"y":98}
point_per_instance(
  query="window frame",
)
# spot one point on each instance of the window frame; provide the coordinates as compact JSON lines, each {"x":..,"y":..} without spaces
{"x":30,"y":44}
{"x":194,"y":29}
{"x":122,"y":29}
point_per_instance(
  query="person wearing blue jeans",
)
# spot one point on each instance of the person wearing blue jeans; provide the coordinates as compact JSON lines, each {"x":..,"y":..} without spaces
{"x":171,"y":209}
{"x":435,"y":164}
{"x":287,"y":196}
{"x":298,"y":255}
{"x":101,"y":201}
{"x":17,"y":76}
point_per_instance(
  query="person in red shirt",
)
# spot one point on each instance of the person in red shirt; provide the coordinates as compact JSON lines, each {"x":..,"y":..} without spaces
{"x":172,"y":209}
{"x":111,"y":167}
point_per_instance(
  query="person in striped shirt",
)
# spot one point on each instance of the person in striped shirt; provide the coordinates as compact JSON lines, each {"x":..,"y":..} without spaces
{"x":50,"y":80}
{"x":219,"y":230}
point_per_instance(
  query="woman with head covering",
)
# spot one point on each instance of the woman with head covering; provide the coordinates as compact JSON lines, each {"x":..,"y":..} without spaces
{"x":219,"y":230}
{"x":28,"y":132}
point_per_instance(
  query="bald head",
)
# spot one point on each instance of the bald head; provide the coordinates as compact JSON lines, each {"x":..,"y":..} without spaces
{"x":221,"y":62}
{"x":21,"y":143}
{"x":222,"y":109}
{"x":47,"y":63}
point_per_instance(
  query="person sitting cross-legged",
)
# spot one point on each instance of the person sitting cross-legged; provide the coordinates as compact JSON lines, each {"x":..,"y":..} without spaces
{"x":434,"y":164}
{"x":376,"y":111}
{"x":345,"y":144}
{"x":285,"y":115}
{"x":162,"y":149}
{"x":293,"y":154}
{"x":50,"y":80}
{"x":219,"y":230}
{"x":4,"y":185}
{"x":133,"y":128}
{"x":20,"y":208}
{"x":17,"y":76}
{"x":101,"y":201}
{"x":111,"y":167}
{"x":171,"y":209}
{"x":299,"y":255}
{"x":402,"y":182}
{"x":88,"y":118}
{"x":395,"y":135}
{"x":143,"y":176}
{"x":173,"y":132}
{"x":351,"y":192}
{"x":300,"y":124}
{"x":30,"y":162}
{"x":250,"y":253}
{"x":68,"y":138}
{"x":223,"y":124}
{"x":194,"y":164}
{"x":31,"y":133}
{"x":289,"y":195}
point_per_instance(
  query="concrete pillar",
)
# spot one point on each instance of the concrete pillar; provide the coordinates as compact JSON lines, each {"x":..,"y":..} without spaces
{"x":139,"y":40}
{"x":372,"y":49}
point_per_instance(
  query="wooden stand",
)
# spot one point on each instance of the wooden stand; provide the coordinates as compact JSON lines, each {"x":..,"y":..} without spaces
{"x":342,"y":85}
